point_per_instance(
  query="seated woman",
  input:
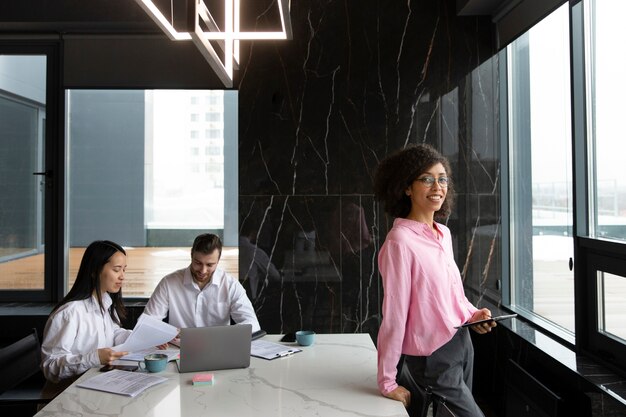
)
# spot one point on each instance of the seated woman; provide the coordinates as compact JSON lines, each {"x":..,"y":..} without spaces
{"x":84,"y":326}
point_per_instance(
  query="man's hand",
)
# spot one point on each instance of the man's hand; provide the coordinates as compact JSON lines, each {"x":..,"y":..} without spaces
{"x":482,"y":328}
{"x":108,"y":355}
{"x":400,"y":394}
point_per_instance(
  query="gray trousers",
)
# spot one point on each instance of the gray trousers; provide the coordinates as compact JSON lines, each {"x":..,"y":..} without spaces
{"x":448,"y":371}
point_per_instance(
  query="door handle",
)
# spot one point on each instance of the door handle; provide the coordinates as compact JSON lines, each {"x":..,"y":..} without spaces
{"x":47,"y":173}
{"x":571,"y":264}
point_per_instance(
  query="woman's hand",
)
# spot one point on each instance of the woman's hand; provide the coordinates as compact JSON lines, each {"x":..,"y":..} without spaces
{"x":400,"y":394}
{"x":482,"y":328}
{"x":108,"y":355}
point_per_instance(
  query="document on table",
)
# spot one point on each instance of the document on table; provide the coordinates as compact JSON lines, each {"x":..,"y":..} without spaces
{"x":138,"y":355}
{"x":270,"y":350}
{"x":122,"y":382}
{"x":148,"y":333}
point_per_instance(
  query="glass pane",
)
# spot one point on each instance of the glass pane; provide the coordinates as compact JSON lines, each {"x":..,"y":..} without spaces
{"x":612,"y":298}
{"x":608,"y":185}
{"x":185,"y":183}
{"x":143,"y":173}
{"x":541,"y":171}
{"x":22,"y":113}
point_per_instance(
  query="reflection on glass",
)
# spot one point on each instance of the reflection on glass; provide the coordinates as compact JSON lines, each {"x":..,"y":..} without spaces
{"x":22,"y":115}
{"x":541,"y":171}
{"x":611,"y":301}
{"x":605,"y":78}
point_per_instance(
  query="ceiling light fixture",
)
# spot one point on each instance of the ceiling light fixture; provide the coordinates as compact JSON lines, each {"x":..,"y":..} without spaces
{"x":227,"y":39}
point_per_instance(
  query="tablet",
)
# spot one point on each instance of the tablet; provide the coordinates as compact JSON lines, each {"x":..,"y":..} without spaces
{"x":496,"y":318}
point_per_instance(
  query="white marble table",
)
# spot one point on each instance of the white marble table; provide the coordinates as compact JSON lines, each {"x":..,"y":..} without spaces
{"x":334,"y":377}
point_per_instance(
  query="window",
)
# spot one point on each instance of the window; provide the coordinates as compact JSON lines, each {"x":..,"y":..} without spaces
{"x":607,"y":193}
{"x":136,"y":176}
{"x":29,"y":232}
{"x":213,"y":100}
{"x":605,"y":293}
{"x":602,"y":268}
{"x":566,"y":187}
{"x":22,"y":112}
{"x":611,"y":300}
{"x":540,"y":172}
{"x":212,"y":117}
{"x":213,"y":134}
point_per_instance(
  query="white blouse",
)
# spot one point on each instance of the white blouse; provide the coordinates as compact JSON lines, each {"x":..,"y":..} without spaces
{"x":73,"y":335}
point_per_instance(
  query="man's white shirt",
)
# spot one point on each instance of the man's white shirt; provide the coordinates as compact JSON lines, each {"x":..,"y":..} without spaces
{"x":189,"y":306}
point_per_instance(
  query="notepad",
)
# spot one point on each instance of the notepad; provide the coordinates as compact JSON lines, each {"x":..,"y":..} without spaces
{"x":270,"y":350}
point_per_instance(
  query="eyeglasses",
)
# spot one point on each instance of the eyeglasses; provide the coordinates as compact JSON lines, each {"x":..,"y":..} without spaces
{"x":430,"y":181}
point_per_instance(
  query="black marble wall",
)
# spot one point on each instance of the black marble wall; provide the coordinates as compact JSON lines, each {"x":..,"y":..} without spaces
{"x":359,"y":80}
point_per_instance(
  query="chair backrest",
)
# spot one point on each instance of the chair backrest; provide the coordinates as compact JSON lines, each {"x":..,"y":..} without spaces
{"x":19,"y":361}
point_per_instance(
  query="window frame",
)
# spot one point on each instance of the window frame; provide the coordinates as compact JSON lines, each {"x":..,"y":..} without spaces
{"x":605,"y":256}
{"x":54,"y":158}
{"x":591,"y":254}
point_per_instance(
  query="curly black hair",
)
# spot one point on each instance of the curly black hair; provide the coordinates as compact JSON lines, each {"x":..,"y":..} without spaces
{"x":398,"y":171}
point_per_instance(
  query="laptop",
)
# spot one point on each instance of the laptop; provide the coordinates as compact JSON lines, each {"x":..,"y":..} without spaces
{"x":214,"y":348}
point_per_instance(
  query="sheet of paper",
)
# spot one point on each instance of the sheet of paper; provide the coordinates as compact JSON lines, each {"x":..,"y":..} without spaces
{"x":122,"y":382}
{"x":148,"y":333}
{"x":138,"y":355}
{"x":270,"y":350}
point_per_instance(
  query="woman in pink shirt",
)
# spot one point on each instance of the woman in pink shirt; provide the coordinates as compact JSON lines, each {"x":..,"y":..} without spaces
{"x":423,"y":291}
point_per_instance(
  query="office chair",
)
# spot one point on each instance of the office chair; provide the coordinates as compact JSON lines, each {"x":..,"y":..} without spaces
{"x":22,"y":380}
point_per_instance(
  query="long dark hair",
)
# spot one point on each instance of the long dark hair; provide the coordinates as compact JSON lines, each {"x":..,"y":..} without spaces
{"x":87,"y":281}
{"x":398,"y":171}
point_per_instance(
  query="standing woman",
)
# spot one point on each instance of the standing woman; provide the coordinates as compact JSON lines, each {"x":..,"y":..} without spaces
{"x":423,"y":291}
{"x":84,"y":326}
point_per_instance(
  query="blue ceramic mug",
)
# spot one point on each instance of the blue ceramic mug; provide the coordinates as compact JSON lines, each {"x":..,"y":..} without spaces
{"x":305,"y":337}
{"x":154,"y":362}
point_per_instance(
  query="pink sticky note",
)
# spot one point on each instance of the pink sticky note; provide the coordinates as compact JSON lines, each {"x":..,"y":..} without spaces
{"x":203,"y":379}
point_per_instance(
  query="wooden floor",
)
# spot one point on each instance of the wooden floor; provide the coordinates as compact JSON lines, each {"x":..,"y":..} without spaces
{"x":146,"y":266}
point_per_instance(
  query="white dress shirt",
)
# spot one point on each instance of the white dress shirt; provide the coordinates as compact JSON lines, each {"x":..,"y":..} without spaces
{"x":189,"y":306}
{"x":73,"y":335}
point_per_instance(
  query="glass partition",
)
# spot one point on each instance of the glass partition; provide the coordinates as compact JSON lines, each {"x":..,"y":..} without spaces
{"x":22,"y":179}
{"x":146,"y":169}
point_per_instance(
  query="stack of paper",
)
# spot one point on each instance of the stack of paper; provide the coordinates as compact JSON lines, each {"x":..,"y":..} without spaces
{"x":148,"y":333}
{"x":122,"y":382}
{"x":138,"y":355}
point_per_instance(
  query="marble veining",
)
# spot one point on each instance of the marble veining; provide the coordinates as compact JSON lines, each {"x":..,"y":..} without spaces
{"x":334,"y":377}
{"x":328,"y":106}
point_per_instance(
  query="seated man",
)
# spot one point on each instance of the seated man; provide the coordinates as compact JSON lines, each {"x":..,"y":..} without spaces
{"x":202,"y":294}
